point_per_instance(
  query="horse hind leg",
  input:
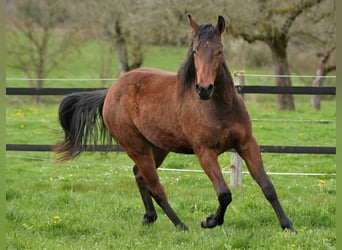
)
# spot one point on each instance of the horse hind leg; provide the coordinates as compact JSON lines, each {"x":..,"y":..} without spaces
{"x":149,"y":173}
{"x":150,"y":215}
{"x":141,"y":153}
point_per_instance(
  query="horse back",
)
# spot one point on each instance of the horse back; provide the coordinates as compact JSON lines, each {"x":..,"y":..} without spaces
{"x":145,"y":102}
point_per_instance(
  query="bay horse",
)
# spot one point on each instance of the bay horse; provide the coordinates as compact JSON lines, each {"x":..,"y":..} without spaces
{"x":150,"y":112}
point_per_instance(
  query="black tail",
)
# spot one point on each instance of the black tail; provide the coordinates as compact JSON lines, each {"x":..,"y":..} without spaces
{"x":80,"y":115}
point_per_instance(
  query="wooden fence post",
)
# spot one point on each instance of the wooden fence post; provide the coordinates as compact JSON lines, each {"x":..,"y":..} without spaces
{"x":236,"y":170}
{"x":236,"y":160}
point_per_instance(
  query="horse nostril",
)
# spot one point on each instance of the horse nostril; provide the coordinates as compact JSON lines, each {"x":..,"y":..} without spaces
{"x":209,"y":89}
{"x":204,"y":92}
{"x":198,"y":88}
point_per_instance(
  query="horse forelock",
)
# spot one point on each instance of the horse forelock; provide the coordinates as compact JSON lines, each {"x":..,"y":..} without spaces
{"x":205,"y":31}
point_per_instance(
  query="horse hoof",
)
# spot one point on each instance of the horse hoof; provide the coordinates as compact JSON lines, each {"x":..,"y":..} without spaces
{"x":149,"y":219}
{"x":183,"y":227}
{"x":287,"y":225}
{"x":209,"y":222}
{"x":290,"y":228}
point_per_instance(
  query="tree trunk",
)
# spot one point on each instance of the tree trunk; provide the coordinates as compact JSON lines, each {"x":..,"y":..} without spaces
{"x":41,"y":64}
{"x":40,"y":76}
{"x":138,"y":57}
{"x":121,"y":49}
{"x":322,"y":71}
{"x":122,"y":54}
{"x":121,"y":46}
{"x":281,"y":67}
{"x":318,"y":82}
{"x":107,"y":56}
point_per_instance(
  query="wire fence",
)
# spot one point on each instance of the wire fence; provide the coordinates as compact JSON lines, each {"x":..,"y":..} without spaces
{"x":114,"y":79}
{"x":164,"y":169}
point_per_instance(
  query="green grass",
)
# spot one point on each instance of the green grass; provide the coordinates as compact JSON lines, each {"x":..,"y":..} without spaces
{"x":85,"y":64}
{"x":93,"y":202}
{"x":27,"y":123}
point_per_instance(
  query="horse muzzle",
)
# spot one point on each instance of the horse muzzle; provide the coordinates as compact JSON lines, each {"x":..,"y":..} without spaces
{"x":204,"y":93}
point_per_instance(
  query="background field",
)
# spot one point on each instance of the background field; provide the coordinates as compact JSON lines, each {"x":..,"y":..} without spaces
{"x":93,"y":202}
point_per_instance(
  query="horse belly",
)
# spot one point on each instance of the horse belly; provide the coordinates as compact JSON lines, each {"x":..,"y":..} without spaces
{"x":163,"y":132}
{"x":157,"y":121}
{"x":170,"y":142}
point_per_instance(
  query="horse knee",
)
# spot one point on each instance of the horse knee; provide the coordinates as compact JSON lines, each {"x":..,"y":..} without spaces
{"x":138,"y":176}
{"x":225,"y":198}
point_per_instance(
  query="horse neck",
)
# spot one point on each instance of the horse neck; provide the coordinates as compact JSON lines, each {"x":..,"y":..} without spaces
{"x":224,"y":85}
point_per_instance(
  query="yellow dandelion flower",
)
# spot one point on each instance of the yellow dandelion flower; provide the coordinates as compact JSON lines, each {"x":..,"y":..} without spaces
{"x":56,"y":219}
{"x":22,"y":126}
{"x":19,"y":113}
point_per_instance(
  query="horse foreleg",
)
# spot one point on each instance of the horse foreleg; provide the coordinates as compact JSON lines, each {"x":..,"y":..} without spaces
{"x":150,"y":215}
{"x":209,"y":163}
{"x":250,"y":152}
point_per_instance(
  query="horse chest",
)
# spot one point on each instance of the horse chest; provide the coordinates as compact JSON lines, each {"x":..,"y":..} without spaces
{"x":208,"y":132}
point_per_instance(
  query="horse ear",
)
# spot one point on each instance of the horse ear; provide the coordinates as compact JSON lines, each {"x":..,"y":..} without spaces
{"x":221,"y":25}
{"x":193,"y":24}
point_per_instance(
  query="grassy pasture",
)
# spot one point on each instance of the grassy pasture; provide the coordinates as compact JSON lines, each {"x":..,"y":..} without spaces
{"x":93,"y":202}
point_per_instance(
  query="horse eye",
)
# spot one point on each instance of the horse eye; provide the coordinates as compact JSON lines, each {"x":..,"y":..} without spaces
{"x":194,"y":52}
{"x":219,"y":53}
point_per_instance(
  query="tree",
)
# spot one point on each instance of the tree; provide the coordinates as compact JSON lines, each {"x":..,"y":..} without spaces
{"x":113,"y":23}
{"x":323,"y":69}
{"x":167,"y":23}
{"x":271,"y":22}
{"x":34,"y":48}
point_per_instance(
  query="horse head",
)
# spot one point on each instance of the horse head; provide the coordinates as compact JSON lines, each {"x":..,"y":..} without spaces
{"x":207,"y":50}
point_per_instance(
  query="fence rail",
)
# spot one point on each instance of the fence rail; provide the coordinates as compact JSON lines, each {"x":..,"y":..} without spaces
{"x":117,"y":148}
{"x":242,"y":89}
